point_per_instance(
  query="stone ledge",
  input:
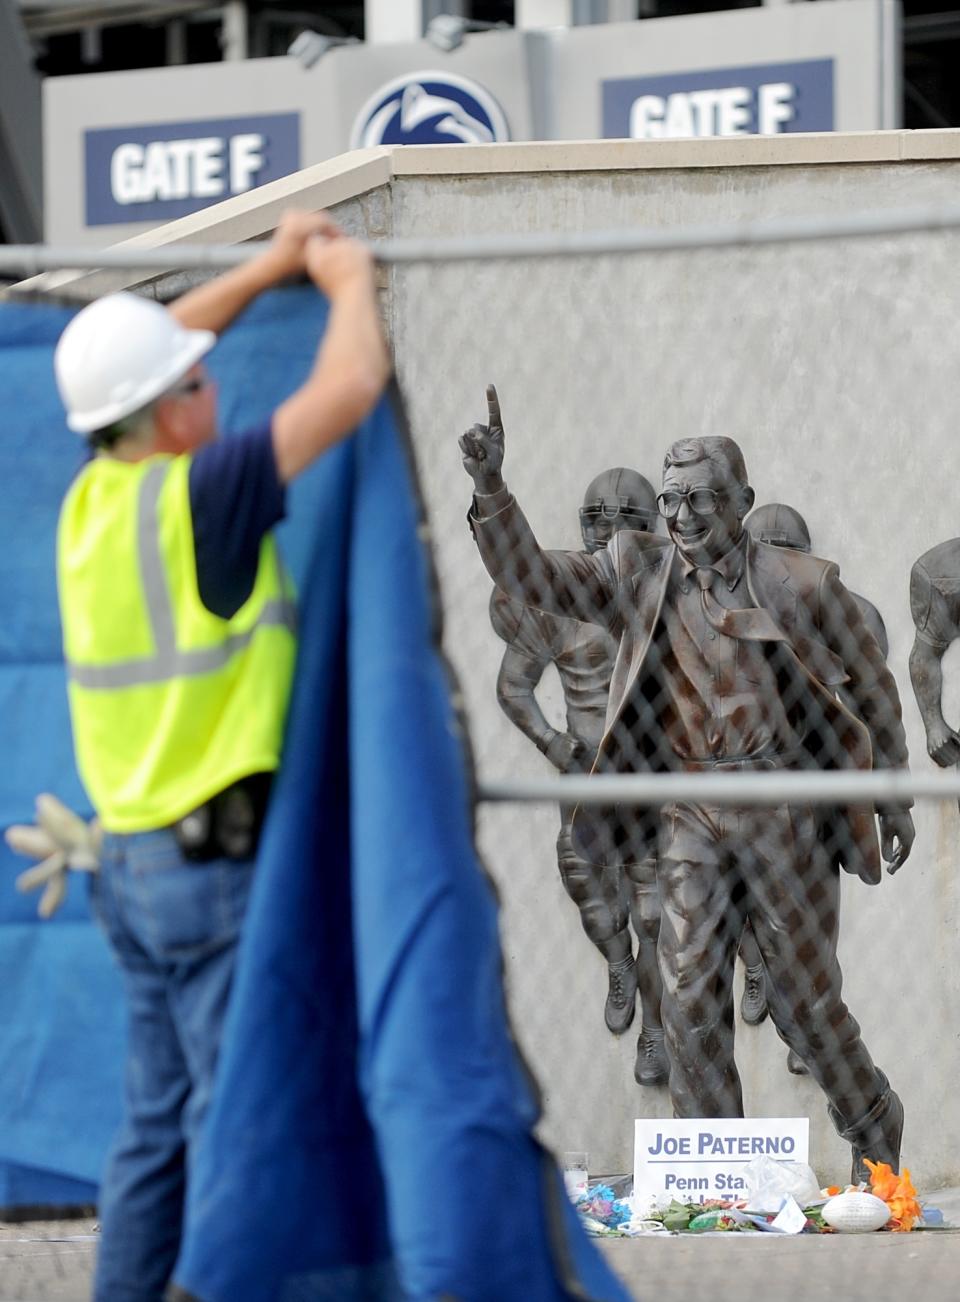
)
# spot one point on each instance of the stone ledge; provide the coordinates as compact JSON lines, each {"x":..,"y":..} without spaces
{"x":337,"y":180}
{"x":720,"y":151}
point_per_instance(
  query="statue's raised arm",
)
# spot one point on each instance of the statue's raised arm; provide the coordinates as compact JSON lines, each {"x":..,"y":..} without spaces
{"x":482,"y":448}
{"x":571,"y":583}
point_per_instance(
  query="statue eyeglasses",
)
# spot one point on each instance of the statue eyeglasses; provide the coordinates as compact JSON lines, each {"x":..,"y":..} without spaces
{"x":701,"y":501}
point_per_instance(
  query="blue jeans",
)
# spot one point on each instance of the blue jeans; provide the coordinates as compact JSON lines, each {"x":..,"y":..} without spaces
{"x":173,"y":927}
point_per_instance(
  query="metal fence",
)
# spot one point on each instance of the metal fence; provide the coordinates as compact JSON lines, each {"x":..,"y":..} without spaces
{"x":703,"y":603}
{"x":741,"y":720}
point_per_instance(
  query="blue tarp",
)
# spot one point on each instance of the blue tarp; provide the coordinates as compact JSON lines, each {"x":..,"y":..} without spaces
{"x":371,"y":1135}
{"x":61,"y":1025}
{"x":371,"y":946}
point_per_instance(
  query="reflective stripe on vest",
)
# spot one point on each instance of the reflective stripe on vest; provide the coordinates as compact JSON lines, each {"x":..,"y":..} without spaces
{"x":167,"y":661}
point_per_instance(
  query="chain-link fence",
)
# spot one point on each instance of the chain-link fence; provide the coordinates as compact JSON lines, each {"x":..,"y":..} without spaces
{"x":681,"y":539}
{"x":719,"y":466}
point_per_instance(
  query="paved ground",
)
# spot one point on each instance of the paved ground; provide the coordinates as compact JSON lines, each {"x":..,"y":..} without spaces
{"x":918,"y":1267}
{"x":46,"y":1261}
{"x":52,"y":1261}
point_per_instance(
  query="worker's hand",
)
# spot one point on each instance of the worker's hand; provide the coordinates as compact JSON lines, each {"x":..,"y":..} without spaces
{"x":286,"y":254}
{"x":482,"y":447}
{"x":334,"y":264}
{"x":943,"y":744}
{"x":896,"y":823}
{"x":62,"y":841}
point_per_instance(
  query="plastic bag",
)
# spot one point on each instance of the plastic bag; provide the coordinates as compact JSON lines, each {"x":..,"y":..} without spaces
{"x":770,"y":1181}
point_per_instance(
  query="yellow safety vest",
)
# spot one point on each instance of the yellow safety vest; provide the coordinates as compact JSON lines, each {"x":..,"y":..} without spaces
{"x":170,"y":704}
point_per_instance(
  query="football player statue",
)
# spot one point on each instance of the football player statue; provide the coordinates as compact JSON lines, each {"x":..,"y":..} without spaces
{"x":935,"y":607}
{"x":608,"y":898}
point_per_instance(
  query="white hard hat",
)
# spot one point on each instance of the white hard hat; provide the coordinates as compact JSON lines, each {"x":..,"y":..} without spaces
{"x":120,"y":353}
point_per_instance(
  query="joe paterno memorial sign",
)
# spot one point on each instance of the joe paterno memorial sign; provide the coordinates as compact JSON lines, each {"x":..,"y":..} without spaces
{"x":694,"y":1159}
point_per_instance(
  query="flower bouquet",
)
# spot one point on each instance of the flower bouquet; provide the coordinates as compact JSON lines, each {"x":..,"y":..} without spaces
{"x":602,"y":1211}
{"x":840,"y":1209}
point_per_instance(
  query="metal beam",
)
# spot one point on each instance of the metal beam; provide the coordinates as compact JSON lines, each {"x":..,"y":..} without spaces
{"x":538,"y":14}
{"x":922,"y":29}
{"x":235,"y":31}
{"x":20,"y":135}
{"x":388,"y":21}
{"x":58,"y":18}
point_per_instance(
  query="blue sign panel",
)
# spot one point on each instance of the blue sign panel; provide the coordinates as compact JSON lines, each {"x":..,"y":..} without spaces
{"x":765,"y":99}
{"x":168,"y":169}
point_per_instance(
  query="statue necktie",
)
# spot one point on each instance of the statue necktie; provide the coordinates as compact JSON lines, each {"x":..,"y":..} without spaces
{"x":750,"y":625}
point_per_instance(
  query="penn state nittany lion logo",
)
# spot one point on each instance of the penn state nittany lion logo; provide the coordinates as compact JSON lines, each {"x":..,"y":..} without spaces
{"x":429,"y":108}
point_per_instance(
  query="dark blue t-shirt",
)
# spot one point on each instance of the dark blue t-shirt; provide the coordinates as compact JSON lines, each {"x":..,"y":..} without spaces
{"x":236,"y":496}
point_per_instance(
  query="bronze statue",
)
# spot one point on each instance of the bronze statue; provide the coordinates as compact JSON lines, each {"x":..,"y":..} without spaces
{"x":935,"y":606}
{"x":730,"y":655}
{"x":782,"y":526}
{"x":608,"y":898}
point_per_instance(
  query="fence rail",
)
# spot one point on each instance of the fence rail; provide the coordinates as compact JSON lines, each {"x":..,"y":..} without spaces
{"x":738,"y":788}
{"x":30,"y":260}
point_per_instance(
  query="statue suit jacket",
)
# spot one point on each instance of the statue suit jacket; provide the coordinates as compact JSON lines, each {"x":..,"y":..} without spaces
{"x":827,"y":647}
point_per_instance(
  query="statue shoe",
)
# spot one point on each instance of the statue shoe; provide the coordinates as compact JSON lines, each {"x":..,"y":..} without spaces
{"x":876,"y":1135}
{"x":795,"y":1064}
{"x":621,"y":1002}
{"x":753,"y":1005}
{"x":651,"y":1067}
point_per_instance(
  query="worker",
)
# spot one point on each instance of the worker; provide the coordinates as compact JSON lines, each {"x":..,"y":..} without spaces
{"x":179,"y":641}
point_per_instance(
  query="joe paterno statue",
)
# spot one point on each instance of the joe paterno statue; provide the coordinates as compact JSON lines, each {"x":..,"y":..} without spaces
{"x":783,"y":526}
{"x":608,"y":898}
{"x":730,"y":656}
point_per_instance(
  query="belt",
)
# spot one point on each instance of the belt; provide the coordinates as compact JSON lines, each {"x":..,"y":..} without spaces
{"x":782,"y":760}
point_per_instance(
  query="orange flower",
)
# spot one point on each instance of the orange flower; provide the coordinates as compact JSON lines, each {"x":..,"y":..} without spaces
{"x":833,"y":1189}
{"x":897,"y":1192}
{"x":883,"y":1182}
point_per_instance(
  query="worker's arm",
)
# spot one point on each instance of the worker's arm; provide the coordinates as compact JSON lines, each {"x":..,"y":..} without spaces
{"x":352,"y":364}
{"x":215,"y":305}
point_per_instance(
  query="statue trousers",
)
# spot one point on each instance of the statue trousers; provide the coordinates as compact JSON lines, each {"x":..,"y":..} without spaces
{"x":610,"y":897}
{"x":718,"y":867}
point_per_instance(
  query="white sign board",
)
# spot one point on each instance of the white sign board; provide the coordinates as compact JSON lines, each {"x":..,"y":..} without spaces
{"x":699,"y":1158}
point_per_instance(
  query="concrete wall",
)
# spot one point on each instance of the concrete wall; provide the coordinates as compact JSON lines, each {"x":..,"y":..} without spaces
{"x":834,"y":366}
